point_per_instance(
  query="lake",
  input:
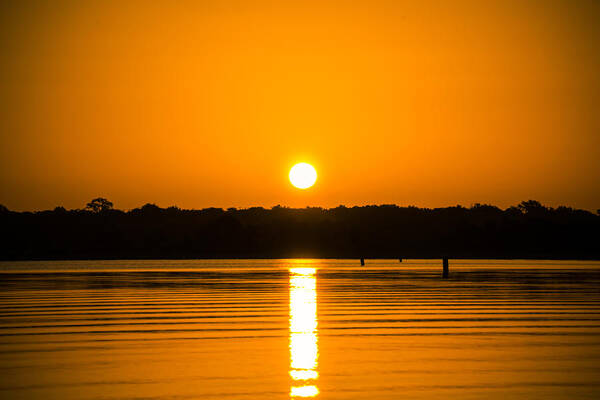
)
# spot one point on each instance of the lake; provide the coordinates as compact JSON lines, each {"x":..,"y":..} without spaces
{"x":276,"y":329}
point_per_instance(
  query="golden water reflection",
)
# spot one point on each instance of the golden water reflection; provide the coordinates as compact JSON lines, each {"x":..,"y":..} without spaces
{"x":304,"y":347}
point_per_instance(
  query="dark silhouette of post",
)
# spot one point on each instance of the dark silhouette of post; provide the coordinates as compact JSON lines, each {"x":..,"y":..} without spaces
{"x":445,"y":266}
{"x":400,"y":259}
{"x":362,"y":262}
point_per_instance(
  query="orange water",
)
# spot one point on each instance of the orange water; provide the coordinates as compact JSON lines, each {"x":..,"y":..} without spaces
{"x":275,"y":329}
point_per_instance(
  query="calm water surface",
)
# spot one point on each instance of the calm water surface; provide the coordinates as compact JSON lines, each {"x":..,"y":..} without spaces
{"x":276,"y":329}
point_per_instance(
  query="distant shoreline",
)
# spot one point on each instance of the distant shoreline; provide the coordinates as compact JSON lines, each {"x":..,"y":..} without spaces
{"x":297,"y":258}
{"x":528,"y":231}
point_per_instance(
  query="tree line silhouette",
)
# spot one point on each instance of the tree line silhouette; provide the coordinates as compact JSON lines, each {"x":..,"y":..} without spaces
{"x":528,"y":230}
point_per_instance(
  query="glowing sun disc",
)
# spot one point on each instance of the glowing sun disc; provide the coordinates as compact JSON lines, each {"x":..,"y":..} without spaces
{"x":303,"y":175}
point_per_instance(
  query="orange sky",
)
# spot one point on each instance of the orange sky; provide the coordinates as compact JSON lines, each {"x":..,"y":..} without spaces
{"x":209,"y":103}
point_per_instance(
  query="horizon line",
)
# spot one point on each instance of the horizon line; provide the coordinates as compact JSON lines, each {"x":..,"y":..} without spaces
{"x":279,"y":206}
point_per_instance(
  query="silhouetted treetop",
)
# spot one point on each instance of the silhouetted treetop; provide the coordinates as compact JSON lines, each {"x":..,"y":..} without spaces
{"x":531,"y":207}
{"x":98,"y":205}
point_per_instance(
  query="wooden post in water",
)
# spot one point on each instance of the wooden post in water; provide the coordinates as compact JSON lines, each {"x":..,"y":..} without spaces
{"x":362,"y":262}
{"x":445,"y":267}
{"x":400,"y":259}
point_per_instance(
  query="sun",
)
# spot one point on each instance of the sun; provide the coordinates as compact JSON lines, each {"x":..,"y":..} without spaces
{"x":303,"y":175}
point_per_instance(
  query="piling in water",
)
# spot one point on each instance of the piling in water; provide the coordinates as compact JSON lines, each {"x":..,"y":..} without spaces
{"x":362,"y":262}
{"x":445,"y":266}
{"x":400,"y":259}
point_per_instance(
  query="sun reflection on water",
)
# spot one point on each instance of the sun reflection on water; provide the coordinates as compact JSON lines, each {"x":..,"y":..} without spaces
{"x":304,"y":348}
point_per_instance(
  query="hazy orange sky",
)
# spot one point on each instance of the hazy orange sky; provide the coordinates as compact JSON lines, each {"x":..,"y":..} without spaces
{"x":209,"y":103}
